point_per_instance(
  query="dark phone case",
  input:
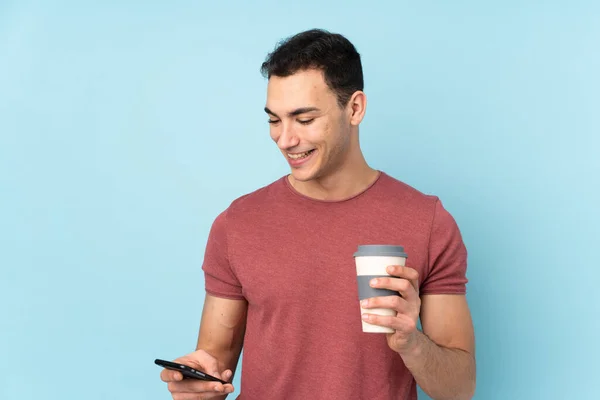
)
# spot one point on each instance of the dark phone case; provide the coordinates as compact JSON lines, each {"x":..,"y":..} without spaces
{"x":187,"y":372}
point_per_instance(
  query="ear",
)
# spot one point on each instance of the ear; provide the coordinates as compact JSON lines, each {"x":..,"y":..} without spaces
{"x":357,"y":106}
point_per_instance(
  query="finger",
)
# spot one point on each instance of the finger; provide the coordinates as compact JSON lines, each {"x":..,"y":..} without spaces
{"x":198,"y":386}
{"x":392,"y":302}
{"x":400,"y":323}
{"x":403,"y":286}
{"x":208,"y":365}
{"x":196,"y":396}
{"x":191,"y":396}
{"x":402,"y":271}
{"x":167,"y":375}
{"x":226,"y":375}
{"x":202,"y":395}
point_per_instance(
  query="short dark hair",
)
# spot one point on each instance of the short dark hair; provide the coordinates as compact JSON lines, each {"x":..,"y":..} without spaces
{"x":331,"y":53}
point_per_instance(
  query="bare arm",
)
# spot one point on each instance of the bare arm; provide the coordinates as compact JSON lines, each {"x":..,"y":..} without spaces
{"x":442,"y":359}
{"x":222,"y":330}
{"x":217,"y":353}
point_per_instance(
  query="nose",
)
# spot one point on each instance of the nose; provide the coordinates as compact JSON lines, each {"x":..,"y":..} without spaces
{"x":287,"y":138}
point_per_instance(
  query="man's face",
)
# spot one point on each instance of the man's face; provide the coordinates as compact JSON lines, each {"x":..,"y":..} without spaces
{"x":310,"y":129}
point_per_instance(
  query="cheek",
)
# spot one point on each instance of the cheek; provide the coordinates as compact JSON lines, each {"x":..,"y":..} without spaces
{"x":319,"y":134}
{"x":334,"y":137}
{"x":274,"y":133}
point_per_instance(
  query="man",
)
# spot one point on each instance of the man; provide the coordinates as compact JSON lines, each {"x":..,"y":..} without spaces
{"x":279,"y":268}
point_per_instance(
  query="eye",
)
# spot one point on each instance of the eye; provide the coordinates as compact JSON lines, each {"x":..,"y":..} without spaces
{"x":273,"y":121}
{"x":306,"y":121}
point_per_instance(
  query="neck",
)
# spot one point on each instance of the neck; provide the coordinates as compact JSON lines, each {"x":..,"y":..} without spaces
{"x":350,"y":179}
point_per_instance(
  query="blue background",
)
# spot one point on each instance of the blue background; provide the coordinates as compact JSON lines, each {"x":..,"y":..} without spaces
{"x":126,"y":127}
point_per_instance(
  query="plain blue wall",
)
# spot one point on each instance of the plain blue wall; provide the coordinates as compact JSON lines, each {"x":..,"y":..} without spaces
{"x":126,"y":127}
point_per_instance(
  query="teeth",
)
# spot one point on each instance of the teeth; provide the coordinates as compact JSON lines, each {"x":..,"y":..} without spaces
{"x":298,"y":156}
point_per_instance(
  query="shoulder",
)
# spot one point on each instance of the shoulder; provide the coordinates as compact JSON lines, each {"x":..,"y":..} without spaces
{"x":412,"y":200}
{"x":425,"y":208}
{"x":256,"y":200}
{"x":257,"y":197}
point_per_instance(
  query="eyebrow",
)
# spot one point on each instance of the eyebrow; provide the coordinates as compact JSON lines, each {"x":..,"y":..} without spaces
{"x":295,"y":112}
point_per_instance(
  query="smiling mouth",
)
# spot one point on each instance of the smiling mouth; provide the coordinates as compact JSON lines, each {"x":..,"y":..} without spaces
{"x":299,"y":156}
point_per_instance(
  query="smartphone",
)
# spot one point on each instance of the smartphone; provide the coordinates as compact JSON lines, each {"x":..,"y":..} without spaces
{"x":187,"y":372}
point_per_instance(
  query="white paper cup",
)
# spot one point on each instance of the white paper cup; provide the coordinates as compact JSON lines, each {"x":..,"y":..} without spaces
{"x":372,"y":262}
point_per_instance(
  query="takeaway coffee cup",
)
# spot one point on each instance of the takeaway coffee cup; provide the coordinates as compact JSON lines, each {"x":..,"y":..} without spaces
{"x":372,"y":262}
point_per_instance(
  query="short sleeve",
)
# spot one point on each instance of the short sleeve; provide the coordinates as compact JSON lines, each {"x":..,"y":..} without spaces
{"x":220,"y":279}
{"x":447,"y":256}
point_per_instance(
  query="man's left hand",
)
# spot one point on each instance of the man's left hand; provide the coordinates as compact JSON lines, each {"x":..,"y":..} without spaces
{"x":404,"y":280}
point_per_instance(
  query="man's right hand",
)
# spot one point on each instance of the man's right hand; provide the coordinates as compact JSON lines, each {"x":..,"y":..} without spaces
{"x":194,"y":389}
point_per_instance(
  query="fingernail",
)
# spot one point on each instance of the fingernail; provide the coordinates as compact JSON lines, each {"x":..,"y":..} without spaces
{"x":365,"y":317}
{"x":390,"y":269}
{"x":373,"y":282}
{"x":218,"y":388}
{"x":364,"y":303}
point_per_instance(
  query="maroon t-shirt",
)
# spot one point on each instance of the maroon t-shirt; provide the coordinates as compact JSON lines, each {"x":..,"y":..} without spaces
{"x":291,"y":258}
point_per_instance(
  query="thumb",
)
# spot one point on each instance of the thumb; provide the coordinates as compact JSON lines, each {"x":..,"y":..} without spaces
{"x":211,"y":367}
{"x":227,"y":375}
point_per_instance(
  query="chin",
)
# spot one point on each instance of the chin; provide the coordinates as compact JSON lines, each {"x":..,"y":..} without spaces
{"x":307,"y":174}
{"x":302,"y":176}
